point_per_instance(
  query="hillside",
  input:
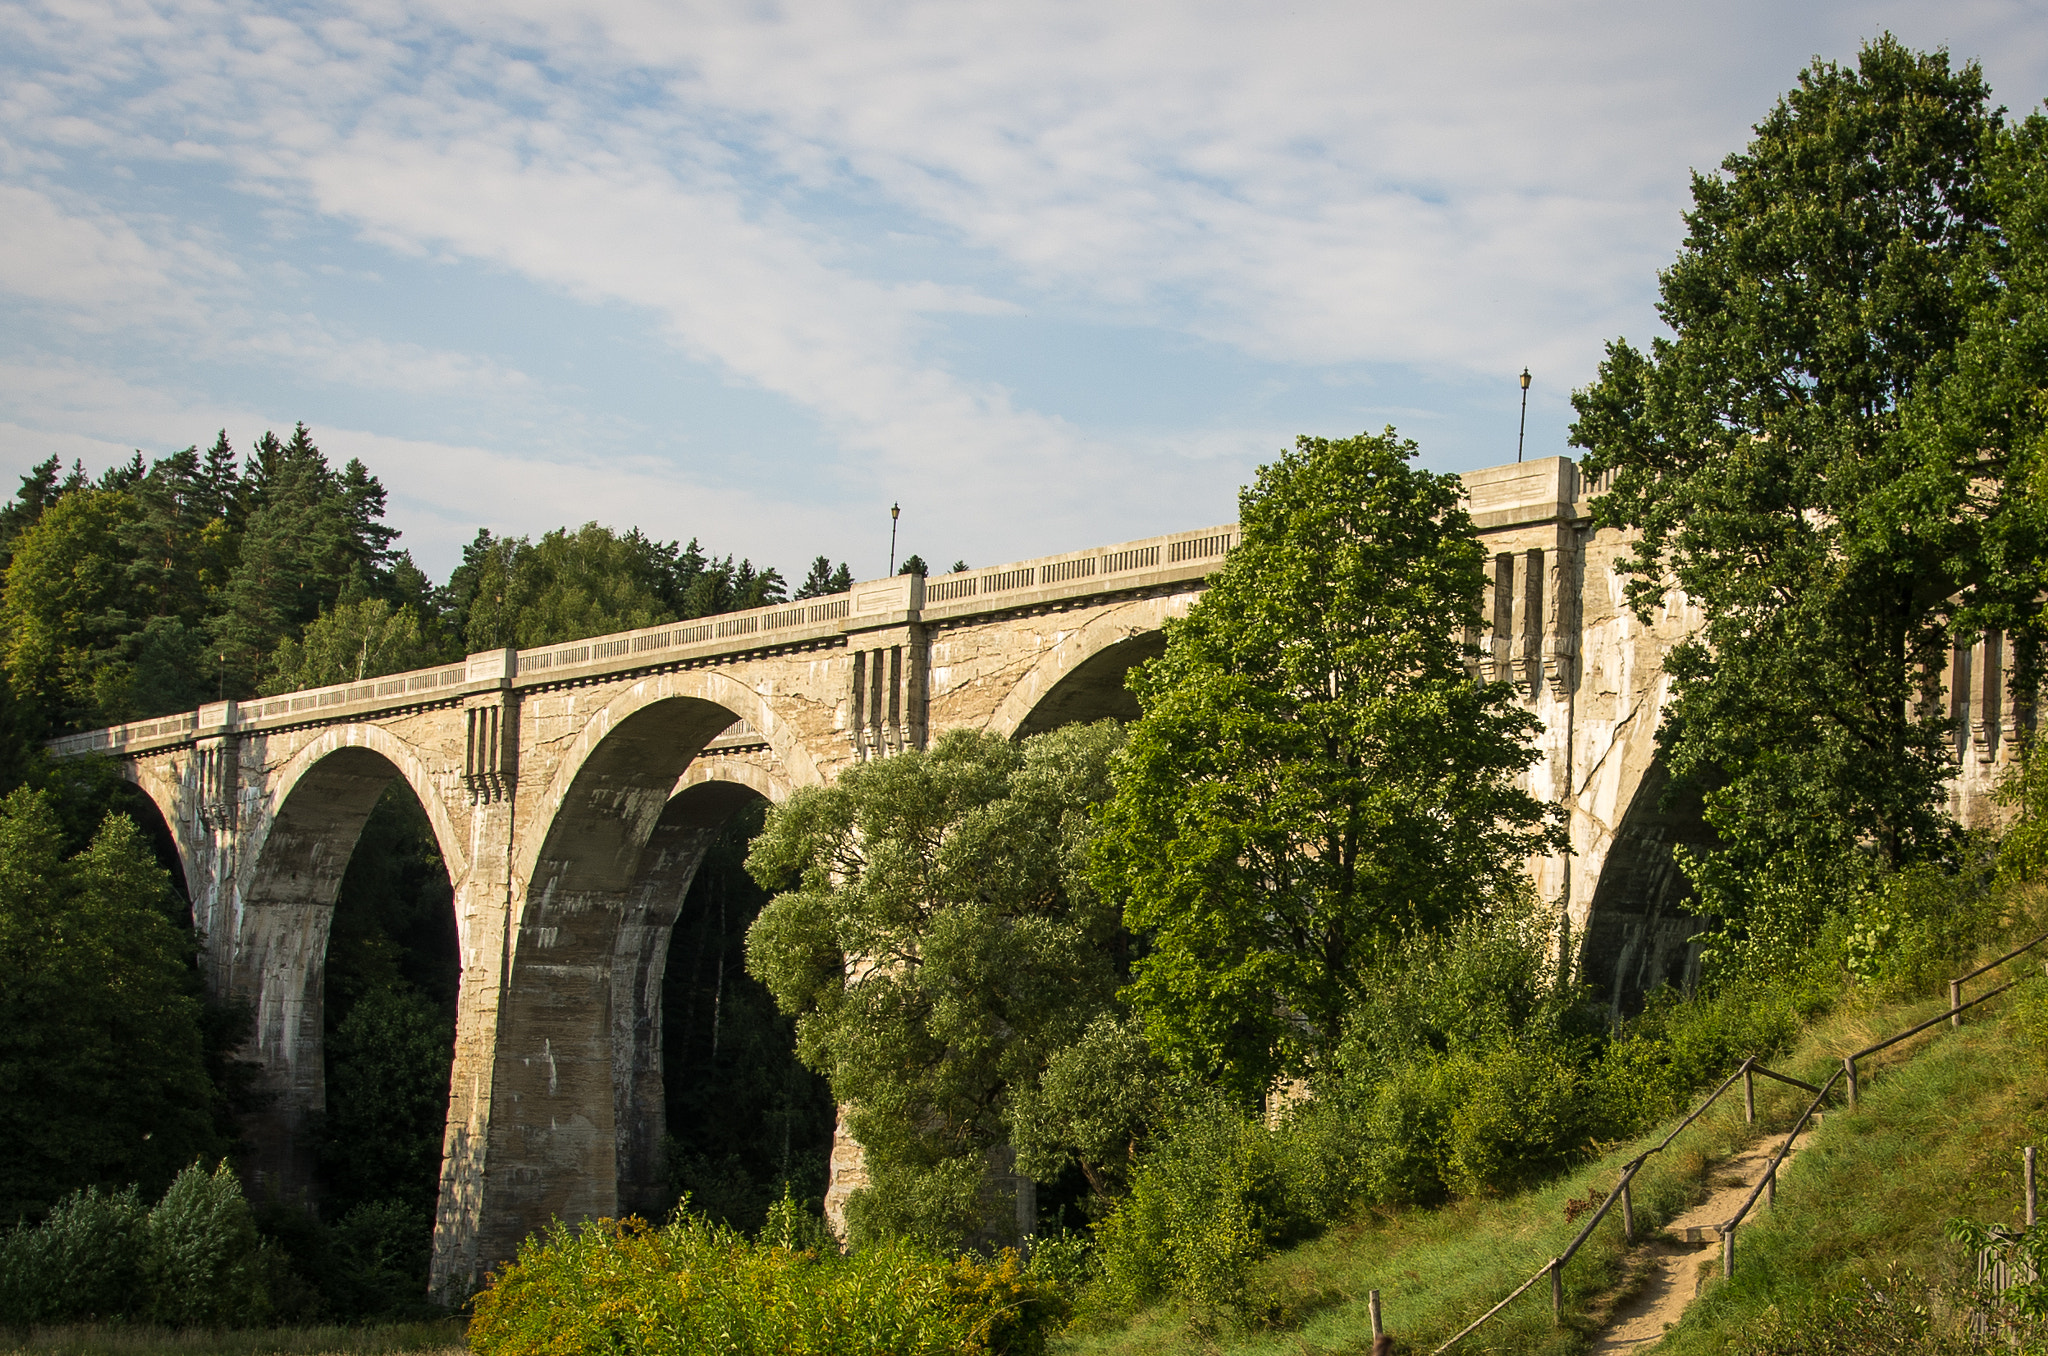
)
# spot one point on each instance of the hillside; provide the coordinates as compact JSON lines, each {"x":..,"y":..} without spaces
{"x":1938,"y":1132}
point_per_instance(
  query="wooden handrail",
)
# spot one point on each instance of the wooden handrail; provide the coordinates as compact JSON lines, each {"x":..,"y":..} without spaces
{"x":1555,"y":1266}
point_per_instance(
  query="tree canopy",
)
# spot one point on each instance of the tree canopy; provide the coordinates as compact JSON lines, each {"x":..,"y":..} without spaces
{"x":937,"y":939}
{"x":102,"y":1066}
{"x":1776,"y":460}
{"x":1315,"y":773}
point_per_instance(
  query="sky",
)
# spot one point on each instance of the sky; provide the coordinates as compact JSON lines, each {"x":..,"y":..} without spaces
{"x":1047,"y":275}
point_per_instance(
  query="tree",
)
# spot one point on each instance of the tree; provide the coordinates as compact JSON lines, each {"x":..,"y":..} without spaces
{"x":1763,"y":458}
{"x":102,"y":1072}
{"x":937,"y":940}
{"x":69,"y":607}
{"x":824,"y":580}
{"x":913,"y":564}
{"x":352,"y":641}
{"x":313,"y":539}
{"x":1314,"y":775}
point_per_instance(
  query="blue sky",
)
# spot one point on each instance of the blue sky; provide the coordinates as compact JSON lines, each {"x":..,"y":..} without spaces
{"x":1050,"y":275}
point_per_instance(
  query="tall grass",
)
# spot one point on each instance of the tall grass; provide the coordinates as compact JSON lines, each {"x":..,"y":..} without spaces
{"x":136,"y":1339}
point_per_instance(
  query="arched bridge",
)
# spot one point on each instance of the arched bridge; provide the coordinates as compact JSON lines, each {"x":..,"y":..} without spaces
{"x":573,"y":789}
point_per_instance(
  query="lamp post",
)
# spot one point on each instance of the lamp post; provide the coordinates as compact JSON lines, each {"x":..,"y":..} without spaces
{"x":895,"y":512}
{"x":1523,"y":432}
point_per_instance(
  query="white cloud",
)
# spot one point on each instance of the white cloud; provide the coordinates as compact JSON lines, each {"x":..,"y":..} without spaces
{"x":807,"y":198}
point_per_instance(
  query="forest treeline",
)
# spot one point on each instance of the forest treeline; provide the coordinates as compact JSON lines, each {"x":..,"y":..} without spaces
{"x":159,"y":585}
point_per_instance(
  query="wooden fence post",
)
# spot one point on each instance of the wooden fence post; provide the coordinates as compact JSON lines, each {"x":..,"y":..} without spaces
{"x":1955,"y":1003}
{"x":1849,"y":1077}
{"x":1728,"y":1252}
{"x":1628,"y":1215}
{"x":1748,"y":1096}
{"x":1771,"y":1188}
{"x":1557,"y":1290}
{"x":2030,"y":1186}
{"x":1372,"y":1301}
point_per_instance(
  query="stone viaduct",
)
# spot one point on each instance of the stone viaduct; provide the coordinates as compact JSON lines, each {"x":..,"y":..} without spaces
{"x":574,"y":788}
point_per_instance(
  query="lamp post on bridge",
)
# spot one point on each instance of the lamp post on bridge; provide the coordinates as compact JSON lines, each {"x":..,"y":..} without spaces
{"x":895,"y":512}
{"x":1519,"y":434}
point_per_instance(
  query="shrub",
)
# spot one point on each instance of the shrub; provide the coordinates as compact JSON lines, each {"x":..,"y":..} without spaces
{"x":202,"y":1261}
{"x":1217,"y":1194}
{"x":698,"y":1286}
{"x":84,"y":1261}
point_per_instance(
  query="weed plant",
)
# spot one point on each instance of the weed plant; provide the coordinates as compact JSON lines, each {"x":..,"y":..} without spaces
{"x":696,"y":1286}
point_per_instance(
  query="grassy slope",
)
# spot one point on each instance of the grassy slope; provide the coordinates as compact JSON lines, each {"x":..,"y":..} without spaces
{"x":142,"y":1340}
{"x":1938,"y":1134}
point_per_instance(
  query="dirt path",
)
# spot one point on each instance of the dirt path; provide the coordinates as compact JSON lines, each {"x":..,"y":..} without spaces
{"x":1678,"y":1268}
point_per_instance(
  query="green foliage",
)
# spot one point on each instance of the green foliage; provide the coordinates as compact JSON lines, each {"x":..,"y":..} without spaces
{"x":102,"y":1073}
{"x":1096,"y":1105}
{"x":388,"y":1064}
{"x":696,"y":1286}
{"x":84,"y":1261}
{"x":937,"y":940}
{"x":567,"y":585}
{"x":202,"y":1262}
{"x":1315,"y":775}
{"x":1215,"y":1196}
{"x":355,"y":640}
{"x":194,"y":1259}
{"x":823,"y":579}
{"x":1893,"y":1314}
{"x":1767,"y":461}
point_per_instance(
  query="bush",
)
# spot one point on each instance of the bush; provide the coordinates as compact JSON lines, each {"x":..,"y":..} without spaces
{"x":193,"y":1260}
{"x":83,"y":1262}
{"x":203,"y":1263}
{"x":1216,"y":1195}
{"x":697,"y":1286}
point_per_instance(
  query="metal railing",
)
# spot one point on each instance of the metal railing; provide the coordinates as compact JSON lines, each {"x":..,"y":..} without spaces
{"x":1767,"y":1185}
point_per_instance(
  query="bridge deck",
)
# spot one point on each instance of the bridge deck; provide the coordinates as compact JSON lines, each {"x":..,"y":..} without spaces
{"x":1045,"y":581}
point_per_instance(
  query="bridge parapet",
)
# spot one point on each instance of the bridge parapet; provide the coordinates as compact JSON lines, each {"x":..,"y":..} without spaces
{"x":1171,"y":560}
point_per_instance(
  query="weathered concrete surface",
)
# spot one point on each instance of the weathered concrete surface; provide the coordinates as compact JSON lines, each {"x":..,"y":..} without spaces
{"x":573,"y":789}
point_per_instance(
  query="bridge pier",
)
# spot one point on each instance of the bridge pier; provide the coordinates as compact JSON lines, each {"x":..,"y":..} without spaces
{"x":573,"y":787}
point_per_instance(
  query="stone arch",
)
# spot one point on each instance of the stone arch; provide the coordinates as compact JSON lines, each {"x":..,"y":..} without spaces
{"x":156,"y":781}
{"x":300,"y":839}
{"x":708,"y":794}
{"x":1637,"y":934}
{"x":1080,"y":677}
{"x":563,"y":1030}
{"x":706,"y":688}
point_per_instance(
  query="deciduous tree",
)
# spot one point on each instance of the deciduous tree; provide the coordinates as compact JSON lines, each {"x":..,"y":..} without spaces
{"x":1763,"y":458}
{"x":1315,"y":773}
{"x":937,"y":940}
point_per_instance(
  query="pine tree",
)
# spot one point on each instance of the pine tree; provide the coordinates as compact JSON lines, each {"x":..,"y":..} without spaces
{"x":818,"y":582}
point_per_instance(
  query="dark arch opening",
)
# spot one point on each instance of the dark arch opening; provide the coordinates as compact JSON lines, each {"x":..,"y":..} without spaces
{"x":1094,"y":689}
{"x":1639,"y":935}
{"x":746,"y":1121}
{"x":353,"y":863}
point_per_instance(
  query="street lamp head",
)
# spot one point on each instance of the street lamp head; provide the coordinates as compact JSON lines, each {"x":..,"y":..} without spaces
{"x":896,"y":510}
{"x":1525,"y":378}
